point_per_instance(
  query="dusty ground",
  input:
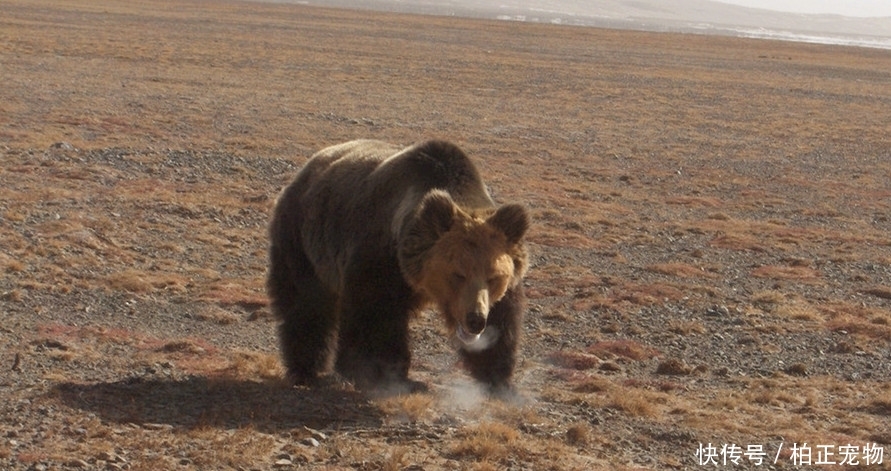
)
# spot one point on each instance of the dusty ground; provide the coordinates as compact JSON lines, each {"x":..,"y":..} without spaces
{"x":711,"y":251}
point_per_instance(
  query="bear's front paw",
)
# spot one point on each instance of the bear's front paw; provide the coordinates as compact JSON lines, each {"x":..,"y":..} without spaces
{"x":396,"y":388}
{"x":303,"y":380}
{"x":505,"y":392}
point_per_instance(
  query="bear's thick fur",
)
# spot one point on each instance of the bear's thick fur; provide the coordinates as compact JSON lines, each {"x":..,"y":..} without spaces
{"x":367,"y":235}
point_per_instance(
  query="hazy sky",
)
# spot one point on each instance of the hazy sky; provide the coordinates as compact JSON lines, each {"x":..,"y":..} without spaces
{"x":840,"y":7}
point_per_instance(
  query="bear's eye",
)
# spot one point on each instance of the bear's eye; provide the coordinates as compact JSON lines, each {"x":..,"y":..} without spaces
{"x":458,"y":278}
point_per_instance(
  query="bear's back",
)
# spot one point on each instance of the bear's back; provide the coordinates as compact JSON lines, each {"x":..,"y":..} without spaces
{"x":437,"y":165}
{"x":354,"y":197}
{"x":364,"y":169}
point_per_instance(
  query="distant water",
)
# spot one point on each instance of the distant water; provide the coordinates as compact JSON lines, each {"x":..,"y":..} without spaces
{"x":815,"y":38}
{"x":686,"y":16}
{"x":773,"y":33}
{"x":805,"y":31}
{"x":848,"y":8}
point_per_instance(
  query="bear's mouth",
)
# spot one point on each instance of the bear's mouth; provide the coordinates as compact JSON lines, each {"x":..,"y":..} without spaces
{"x":465,"y":336}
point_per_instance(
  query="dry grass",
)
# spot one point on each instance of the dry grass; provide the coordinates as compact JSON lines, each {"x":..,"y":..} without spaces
{"x":410,"y":408}
{"x":629,"y":349}
{"x":709,"y":252}
{"x":488,"y":441}
{"x":680,"y":270}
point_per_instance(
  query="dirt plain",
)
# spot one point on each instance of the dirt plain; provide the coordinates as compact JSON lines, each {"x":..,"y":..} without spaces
{"x":711,"y":252}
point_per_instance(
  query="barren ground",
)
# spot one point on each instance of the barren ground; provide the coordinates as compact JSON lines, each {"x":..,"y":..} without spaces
{"x":711,"y":252}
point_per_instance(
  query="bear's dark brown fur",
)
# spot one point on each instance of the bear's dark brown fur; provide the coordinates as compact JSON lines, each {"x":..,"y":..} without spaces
{"x":368,"y":234}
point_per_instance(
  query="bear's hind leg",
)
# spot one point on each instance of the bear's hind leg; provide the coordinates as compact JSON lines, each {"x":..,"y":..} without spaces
{"x":493,"y":365}
{"x":305,"y":309}
{"x":307,"y":339}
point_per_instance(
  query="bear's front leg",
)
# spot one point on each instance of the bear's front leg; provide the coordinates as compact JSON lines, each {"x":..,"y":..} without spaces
{"x":373,"y":339}
{"x":493,"y":363}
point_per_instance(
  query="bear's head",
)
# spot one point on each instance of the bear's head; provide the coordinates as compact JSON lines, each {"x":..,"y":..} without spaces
{"x":463,"y":261}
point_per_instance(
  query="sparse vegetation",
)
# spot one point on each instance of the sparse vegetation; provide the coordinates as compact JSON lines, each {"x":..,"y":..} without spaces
{"x":710,"y":245}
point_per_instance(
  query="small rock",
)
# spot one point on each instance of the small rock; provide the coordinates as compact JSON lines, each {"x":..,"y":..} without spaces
{"x":316,"y":434}
{"x":77,"y":463}
{"x":110,"y":457}
{"x":610,"y":366}
{"x":283,"y":463}
{"x":261,"y":314}
{"x":62,"y":145}
{"x":611,"y":328}
{"x":717,"y":311}
{"x":309,"y":441}
{"x":255,"y":198}
{"x":157,"y":426}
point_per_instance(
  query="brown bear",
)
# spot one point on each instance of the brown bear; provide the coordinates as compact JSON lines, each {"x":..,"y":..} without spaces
{"x":367,"y":235}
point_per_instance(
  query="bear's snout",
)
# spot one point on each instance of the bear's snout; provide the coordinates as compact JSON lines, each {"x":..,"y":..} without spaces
{"x":475,"y":322}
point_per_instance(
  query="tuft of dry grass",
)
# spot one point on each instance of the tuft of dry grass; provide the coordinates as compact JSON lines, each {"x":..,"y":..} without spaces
{"x":578,"y":434}
{"x":14,"y":295}
{"x":247,"y":364}
{"x":408,"y":408}
{"x":681,"y":327}
{"x":592,"y":384}
{"x":629,"y":349}
{"x":871,"y":323}
{"x":800,"y":273}
{"x":488,"y":441}
{"x":216,"y":314}
{"x":879,"y":292}
{"x":574,"y":360}
{"x":14,"y":266}
{"x":395,"y":460}
{"x":634,"y":402}
{"x":188,"y":346}
{"x":674,"y":367}
{"x":880,"y":407}
{"x":799,"y":310}
{"x":235,"y":449}
{"x":768,"y":300}
{"x":138,"y":281}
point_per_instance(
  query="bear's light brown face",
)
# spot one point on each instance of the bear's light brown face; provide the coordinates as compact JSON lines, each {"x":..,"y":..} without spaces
{"x":471,"y":265}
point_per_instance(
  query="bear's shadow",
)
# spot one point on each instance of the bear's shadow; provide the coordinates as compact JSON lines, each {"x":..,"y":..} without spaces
{"x":223,"y":403}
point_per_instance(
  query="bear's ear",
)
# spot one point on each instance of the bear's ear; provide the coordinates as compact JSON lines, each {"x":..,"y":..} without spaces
{"x":434,"y":217}
{"x":436,"y":214}
{"x":512,"y":220}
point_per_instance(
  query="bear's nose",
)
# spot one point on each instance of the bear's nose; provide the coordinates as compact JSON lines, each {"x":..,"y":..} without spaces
{"x":476,"y":322}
